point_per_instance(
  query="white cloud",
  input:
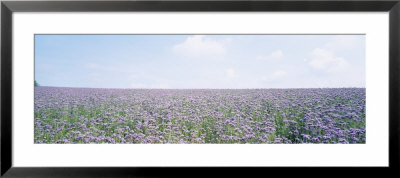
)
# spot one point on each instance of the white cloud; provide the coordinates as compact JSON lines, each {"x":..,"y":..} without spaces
{"x":230,"y":73}
{"x":138,"y":85}
{"x":274,"y":55}
{"x":274,"y":76}
{"x":92,"y":66}
{"x":200,"y":46}
{"x":132,"y":76}
{"x":101,"y":67}
{"x":325,"y":60}
{"x":279,"y":73}
{"x":160,"y":86}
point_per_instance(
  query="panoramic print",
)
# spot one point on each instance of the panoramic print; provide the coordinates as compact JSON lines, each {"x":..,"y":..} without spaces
{"x":199,"y":89}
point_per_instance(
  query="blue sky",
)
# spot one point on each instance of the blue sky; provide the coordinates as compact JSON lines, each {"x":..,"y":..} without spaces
{"x":200,"y":61}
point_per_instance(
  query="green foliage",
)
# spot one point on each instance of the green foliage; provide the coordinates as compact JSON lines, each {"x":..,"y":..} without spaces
{"x":36,"y":84}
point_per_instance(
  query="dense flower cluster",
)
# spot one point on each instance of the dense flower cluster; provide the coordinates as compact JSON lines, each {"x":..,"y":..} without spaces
{"x":83,"y":115}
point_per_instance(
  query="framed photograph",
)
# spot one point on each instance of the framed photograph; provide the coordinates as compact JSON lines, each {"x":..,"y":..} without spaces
{"x":113,"y":88}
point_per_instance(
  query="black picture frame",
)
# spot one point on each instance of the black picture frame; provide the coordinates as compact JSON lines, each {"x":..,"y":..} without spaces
{"x":8,"y":7}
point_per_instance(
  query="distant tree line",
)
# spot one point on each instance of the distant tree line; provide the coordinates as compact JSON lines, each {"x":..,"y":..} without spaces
{"x":36,"y":84}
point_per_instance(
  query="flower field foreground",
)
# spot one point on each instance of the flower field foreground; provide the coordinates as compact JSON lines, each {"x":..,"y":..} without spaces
{"x":217,"y":116}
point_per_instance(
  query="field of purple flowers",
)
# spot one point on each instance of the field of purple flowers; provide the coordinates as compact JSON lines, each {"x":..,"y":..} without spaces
{"x":83,"y":115}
